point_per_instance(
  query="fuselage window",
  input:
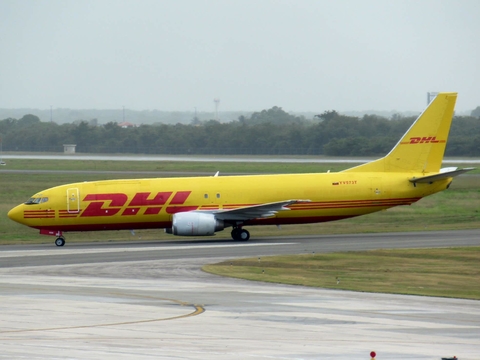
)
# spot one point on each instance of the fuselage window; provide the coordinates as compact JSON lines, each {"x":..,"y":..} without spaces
{"x":218,"y":196}
{"x":205,"y":196}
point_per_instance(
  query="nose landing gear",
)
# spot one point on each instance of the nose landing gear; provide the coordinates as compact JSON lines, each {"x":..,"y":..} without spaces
{"x":60,"y":241}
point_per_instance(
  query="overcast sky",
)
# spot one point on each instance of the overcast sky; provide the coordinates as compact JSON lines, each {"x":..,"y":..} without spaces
{"x":252,"y":54}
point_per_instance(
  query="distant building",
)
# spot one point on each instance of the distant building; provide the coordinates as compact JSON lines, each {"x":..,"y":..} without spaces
{"x":69,"y":148}
{"x":126,"y":124}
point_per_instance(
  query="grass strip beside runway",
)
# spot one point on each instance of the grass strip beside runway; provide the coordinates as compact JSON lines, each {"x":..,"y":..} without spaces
{"x":173,"y":166}
{"x":447,"y":272}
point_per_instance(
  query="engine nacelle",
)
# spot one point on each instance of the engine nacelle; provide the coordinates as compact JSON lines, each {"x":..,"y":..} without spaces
{"x":195,"y":224}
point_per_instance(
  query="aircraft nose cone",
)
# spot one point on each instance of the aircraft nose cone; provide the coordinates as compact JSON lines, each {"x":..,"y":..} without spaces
{"x":16,"y":214}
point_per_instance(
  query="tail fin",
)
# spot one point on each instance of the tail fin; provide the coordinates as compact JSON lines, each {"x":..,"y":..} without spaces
{"x":422,"y":147}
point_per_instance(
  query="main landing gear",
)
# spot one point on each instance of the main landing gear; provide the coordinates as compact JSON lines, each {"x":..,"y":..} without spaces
{"x":60,"y":241}
{"x":240,"y":234}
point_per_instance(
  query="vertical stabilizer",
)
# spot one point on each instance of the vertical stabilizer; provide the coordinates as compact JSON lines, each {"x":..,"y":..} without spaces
{"x":422,"y":147}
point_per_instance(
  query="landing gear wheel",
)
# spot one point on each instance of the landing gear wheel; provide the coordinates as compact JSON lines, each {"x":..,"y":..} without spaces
{"x":240,"y":234}
{"x":60,"y":241}
{"x":236,"y":234}
{"x":244,"y":235}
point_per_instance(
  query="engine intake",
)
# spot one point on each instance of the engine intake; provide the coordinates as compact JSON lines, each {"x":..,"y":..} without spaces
{"x":195,"y":224}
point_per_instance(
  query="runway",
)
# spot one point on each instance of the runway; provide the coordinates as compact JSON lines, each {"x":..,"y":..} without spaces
{"x":150,"y":300}
{"x":215,"y":158}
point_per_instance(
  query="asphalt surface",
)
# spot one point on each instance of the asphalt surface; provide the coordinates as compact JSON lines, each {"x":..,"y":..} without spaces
{"x":144,"y":300}
{"x":47,"y":254}
{"x":214,"y":158}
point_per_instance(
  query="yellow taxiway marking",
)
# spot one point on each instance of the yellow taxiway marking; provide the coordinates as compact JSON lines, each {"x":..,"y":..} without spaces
{"x":198,"y":309}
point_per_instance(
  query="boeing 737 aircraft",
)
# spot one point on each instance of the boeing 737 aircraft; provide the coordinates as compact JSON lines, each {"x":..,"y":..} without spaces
{"x":201,"y":206}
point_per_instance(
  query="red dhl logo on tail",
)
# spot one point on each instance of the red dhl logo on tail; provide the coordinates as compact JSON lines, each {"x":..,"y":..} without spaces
{"x":111,"y":204}
{"x":423,"y":140}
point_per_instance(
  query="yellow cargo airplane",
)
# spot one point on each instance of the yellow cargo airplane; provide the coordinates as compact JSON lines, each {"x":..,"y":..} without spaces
{"x":198,"y":206}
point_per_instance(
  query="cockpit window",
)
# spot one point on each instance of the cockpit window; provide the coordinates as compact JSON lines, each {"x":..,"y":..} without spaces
{"x":33,"y":201}
{"x":36,"y":200}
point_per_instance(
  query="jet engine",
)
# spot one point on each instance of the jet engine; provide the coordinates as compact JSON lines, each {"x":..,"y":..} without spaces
{"x":195,"y":224}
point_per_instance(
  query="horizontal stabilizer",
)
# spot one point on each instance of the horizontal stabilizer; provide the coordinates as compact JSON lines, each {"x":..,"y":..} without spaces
{"x":444,"y":174}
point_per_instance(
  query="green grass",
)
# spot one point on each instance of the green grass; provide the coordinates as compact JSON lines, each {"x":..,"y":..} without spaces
{"x":456,"y":208}
{"x":182,"y":166}
{"x":451,"y":272}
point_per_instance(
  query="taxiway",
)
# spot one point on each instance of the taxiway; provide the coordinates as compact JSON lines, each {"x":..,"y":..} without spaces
{"x":150,"y":300}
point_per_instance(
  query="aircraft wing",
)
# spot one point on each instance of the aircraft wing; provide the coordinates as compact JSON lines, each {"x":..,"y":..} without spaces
{"x":443,"y":174}
{"x":255,"y":211}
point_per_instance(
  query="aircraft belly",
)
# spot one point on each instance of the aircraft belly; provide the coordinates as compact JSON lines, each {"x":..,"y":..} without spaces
{"x":104,"y":226}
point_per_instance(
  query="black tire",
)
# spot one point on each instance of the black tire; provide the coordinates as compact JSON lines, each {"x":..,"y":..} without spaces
{"x":236,"y":234}
{"x":60,"y":241}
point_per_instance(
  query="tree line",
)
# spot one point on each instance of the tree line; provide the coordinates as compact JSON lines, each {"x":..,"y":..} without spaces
{"x":269,"y":132}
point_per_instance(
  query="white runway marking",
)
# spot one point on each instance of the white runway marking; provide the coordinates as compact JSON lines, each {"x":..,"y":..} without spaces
{"x":56,"y":251}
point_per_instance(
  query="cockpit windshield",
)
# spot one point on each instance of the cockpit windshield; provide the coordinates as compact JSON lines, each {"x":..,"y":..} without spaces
{"x":36,"y":200}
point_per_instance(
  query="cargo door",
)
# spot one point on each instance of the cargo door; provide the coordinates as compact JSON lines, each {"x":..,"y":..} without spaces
{"x":73,"y":201}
